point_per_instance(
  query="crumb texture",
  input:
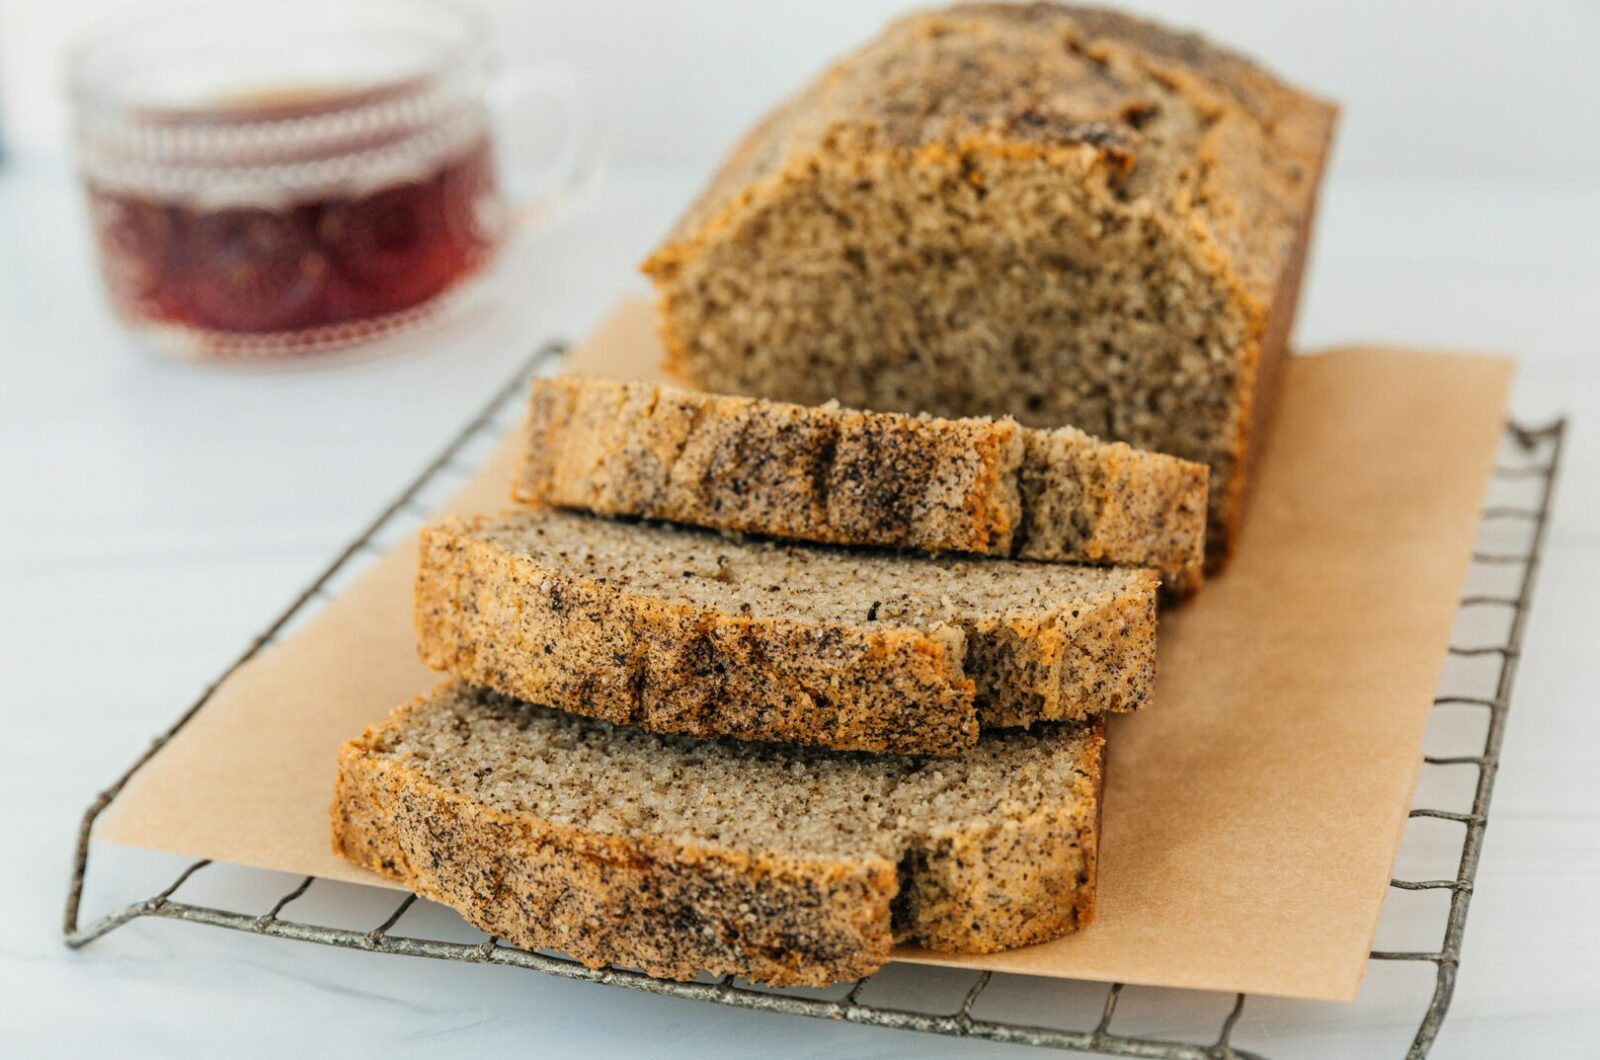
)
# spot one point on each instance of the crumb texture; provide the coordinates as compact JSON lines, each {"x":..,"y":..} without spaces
{"x":842,"y":476}
{"x":1058,"y":213}
{"x":681,"y":856}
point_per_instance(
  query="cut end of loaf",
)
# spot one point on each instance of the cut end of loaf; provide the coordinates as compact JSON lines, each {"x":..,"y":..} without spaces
{"x":1103,"y":248}
{"x":1133,"y":334}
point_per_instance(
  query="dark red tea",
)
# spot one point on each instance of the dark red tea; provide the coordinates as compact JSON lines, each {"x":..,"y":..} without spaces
{"x":328,"y":259}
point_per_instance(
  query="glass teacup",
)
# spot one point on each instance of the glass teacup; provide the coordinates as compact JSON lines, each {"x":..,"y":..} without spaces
{"x":292,"y":176}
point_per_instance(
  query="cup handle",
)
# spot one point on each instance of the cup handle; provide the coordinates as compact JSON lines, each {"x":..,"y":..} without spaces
{"x":535,"y":181}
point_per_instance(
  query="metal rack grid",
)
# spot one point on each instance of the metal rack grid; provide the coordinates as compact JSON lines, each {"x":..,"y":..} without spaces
{"x":1536,"y":456}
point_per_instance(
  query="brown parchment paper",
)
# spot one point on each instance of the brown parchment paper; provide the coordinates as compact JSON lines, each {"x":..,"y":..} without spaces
{"x":1252,"y":813}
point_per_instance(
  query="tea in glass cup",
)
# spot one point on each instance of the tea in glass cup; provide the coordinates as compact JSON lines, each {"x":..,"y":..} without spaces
{"x":289,"y":177}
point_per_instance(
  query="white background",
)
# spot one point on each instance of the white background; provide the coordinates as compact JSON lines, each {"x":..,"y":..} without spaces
{"x":152,"y":516}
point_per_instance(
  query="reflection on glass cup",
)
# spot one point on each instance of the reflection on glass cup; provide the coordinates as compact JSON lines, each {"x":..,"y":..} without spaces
{"x":293,"y":176}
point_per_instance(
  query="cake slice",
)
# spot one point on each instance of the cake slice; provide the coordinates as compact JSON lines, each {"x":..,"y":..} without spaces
{"x":781,"y":865}
{"x":682,"y":630}
{"x":837,"y":475}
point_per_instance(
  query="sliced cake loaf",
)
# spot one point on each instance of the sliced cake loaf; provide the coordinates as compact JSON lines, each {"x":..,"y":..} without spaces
{"x":1061,"y":213}
{"x":679,"y":856}
{"x":825,"y":473}
{"x":681,"y":630}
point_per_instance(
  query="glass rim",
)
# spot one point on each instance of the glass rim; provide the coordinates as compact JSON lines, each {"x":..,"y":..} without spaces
{"x":94,"y":89}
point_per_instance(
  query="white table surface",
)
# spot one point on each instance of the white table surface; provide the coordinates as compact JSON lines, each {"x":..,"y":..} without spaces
{"x":156,"y":514}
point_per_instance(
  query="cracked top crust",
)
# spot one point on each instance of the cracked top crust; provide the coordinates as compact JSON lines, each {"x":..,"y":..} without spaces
{"x":1189,"y":126}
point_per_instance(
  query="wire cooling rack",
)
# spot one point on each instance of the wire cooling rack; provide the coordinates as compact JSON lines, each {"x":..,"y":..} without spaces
{"x":1519,"y":501}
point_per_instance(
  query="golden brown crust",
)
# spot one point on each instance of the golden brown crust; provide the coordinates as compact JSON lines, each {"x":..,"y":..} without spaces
{"x":1259,"y":397}
{"x":680,"y":906}
{"x":847,"y":477}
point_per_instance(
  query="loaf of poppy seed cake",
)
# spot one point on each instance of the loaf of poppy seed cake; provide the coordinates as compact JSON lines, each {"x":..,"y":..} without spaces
{"x":686,"y":631}
{"x":1059,"y":213}
{"x":777,"y":864}
{"x":836,"y":475}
